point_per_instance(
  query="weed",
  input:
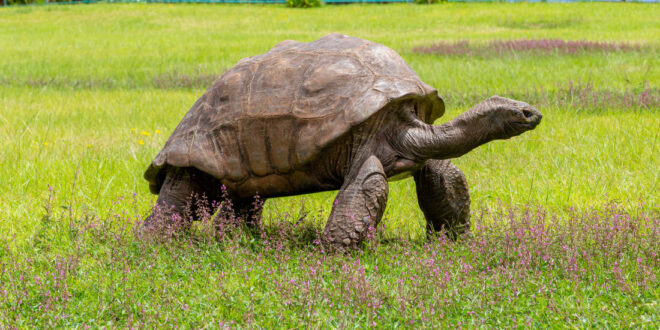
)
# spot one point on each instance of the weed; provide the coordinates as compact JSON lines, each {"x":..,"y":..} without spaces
{"x":531,"y":46}
{"x":513,"y":258}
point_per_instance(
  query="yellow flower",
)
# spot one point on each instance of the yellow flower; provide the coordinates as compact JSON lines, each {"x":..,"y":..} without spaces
{"x":157,"y":131}
{"x":145,"y":133}
{"x":141,"y":142}
{"x":132,"y":129}
{"x":46,"y":144}
{"x":88,"y":145}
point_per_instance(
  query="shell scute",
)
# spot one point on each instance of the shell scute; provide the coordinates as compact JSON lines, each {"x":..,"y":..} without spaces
{"x":273,"y":113}
{"x":279,"y":139}
{"x":253,"y":140}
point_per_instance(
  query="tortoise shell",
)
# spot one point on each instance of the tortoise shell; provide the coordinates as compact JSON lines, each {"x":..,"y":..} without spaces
{"x":274,"y":112}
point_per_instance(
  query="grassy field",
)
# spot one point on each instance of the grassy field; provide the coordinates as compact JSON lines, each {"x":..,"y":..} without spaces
{"x":88,"y":95}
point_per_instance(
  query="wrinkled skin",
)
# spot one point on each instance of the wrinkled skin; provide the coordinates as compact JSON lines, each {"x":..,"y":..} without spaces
{"x":286,"y":148}
{"x":443,"y":196}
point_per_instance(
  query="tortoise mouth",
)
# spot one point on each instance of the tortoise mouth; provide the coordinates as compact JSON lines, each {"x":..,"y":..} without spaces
{"x":528,"y":124}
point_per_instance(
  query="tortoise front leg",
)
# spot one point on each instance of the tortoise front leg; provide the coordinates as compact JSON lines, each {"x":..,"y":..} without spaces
{"x":185,"y":194}
{"x":359,"y":205}
{"x":443,"y":196}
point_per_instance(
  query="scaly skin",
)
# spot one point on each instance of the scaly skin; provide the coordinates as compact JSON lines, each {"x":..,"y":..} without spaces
{"x":443,"y":196}
{"x":359,"y":205}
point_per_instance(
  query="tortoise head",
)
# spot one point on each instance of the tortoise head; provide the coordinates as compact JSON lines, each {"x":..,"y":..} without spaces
{"x":495,"y":118}
{"x":502,"y":118}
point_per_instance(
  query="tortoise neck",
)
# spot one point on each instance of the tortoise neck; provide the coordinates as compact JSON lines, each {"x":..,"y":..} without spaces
{"x":452,"y":139}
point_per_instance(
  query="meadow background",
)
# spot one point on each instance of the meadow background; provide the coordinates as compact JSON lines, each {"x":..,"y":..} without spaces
{"x":565,"y":216}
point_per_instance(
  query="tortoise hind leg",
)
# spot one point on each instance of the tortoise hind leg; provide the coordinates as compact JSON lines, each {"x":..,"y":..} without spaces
{"x":359,"y":205}
{"x":186,"y":194}
{"x":443,"y":196}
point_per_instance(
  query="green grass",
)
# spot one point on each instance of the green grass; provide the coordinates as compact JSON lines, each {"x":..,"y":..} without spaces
{"x":80,"y":107}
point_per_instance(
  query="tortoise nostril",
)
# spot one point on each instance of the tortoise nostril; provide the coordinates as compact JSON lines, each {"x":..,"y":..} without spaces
{"x":527,"y":114}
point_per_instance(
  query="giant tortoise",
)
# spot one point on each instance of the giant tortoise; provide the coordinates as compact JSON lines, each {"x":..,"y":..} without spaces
{"x":336,"y":113}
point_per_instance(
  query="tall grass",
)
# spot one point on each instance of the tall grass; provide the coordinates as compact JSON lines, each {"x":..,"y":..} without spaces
{"x":89,"y":94}
{"x":519,"y":267}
